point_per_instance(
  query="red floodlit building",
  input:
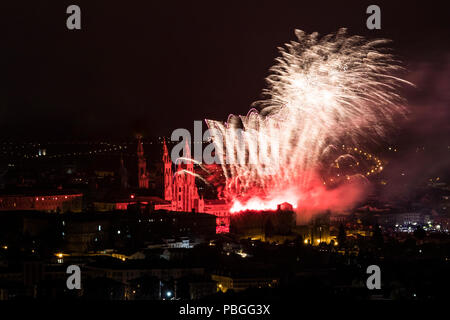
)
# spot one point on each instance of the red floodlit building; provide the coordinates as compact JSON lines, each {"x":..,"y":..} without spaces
{"x":181,"y":193}
{"x":58,"y":202}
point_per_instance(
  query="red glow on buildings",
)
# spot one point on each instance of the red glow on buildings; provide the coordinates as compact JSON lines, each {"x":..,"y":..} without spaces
{"x":181,"y":193}
{"x":257,"y":204}
{"x":48,"y":203}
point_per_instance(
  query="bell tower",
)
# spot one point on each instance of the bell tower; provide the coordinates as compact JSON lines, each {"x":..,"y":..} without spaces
{"x":142,"y":165}
{"x":167,"y":173}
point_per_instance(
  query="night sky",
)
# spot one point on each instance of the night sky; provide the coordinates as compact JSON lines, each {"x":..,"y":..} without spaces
{"x":152,"y":66}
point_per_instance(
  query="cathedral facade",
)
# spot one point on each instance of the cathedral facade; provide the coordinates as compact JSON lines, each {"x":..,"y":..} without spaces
{"x":181,"y":192}
{"x":180,"y":189}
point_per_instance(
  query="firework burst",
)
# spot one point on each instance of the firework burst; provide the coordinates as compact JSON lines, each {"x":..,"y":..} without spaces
{"x":321,"y":93}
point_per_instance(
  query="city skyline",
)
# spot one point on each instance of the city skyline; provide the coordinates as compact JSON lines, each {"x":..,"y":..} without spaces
{"x":202,"y":156}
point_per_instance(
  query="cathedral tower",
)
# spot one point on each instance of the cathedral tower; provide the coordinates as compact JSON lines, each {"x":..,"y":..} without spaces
{"x":168,"y":176}
{"x":185,"y":195}
{"x":123,"y":175}
{"x":142,"y":165}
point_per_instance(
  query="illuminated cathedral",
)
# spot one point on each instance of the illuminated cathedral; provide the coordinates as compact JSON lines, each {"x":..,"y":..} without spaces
{"x":180,"y":189}
{"x":181,"y":192}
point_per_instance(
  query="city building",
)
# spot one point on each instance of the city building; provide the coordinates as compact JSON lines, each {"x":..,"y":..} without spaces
{"x":80,"y":232}
{"x":57,"y":201}
{"x":239,"y":282}
{"x":131,"y":270}
{"x":181,"y":192}
{"x":405,"y":218}
{"x":264,"y":225}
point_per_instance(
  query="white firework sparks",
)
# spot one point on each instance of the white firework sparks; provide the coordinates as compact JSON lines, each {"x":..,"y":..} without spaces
{"x":322,"y":91}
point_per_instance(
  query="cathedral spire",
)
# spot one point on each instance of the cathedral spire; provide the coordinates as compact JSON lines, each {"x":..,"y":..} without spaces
{"x":140,"y":147}
{"x":188,"y":160}
{"x":167,"y":173}
{"x":123,"y":174}
{"x":188,"y":150}
{"x":143,"y":177}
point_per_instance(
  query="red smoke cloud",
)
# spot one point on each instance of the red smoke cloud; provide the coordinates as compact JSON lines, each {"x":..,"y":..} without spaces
{"x":318,"y":198}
